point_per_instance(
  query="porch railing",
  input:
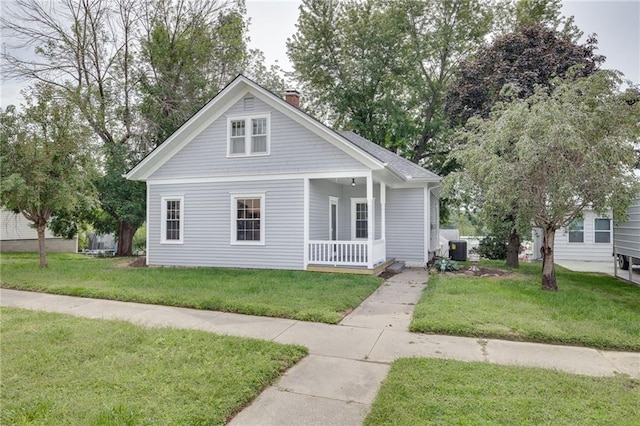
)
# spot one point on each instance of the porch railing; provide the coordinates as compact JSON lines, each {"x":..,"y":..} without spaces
{"x":345,"y":253}
{"x":379,"y":252}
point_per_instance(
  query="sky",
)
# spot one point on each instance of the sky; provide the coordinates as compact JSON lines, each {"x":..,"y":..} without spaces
{"x":615,"y":22}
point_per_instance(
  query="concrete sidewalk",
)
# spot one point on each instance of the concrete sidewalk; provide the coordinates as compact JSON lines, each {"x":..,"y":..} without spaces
{"x":338,"y":381}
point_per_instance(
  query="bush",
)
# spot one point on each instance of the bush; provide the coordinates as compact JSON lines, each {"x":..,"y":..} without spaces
{"x":140,"y":240}
{"x":446,"y":265}
{"x":493,"y":247}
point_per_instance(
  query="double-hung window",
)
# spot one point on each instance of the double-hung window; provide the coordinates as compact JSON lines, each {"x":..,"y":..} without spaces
{"x":172,"y":225}
{"x":602,"y":230}
{"x":248,"y":136}
{"x":359,"y":219}
{"x":247,"y":219}
{"x":576,"y":231}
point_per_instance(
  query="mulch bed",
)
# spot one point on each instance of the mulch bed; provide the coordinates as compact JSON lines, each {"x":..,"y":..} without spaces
{"x":482,"y":272}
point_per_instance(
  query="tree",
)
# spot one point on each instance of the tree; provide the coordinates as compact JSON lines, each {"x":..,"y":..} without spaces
{"x":45,"y":160}
{"x":547,"y":157}
{"x":189,"y":51}
{"x":134,"y":70}
{"x":382,"y":68}
{"x":532,"y":55}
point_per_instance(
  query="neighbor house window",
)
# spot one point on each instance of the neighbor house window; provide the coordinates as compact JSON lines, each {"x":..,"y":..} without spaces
{"x":602,"y":230}
{"x":247,"y":212}
{"x":359,"y":218}
{"x":248,"y":136}
{"x":172,"y":227}
{"x":576,"y":231}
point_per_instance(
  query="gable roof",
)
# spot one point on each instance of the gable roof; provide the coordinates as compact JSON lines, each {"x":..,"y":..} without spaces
{"x":400,"y":165}
{"x":366,"y":152}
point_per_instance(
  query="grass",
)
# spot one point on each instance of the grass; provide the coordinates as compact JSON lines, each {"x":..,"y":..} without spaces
{"x":589,"y":309}
{"x":58,"y":369}
{"x":434,"y":391}
{"x":301,"y":295}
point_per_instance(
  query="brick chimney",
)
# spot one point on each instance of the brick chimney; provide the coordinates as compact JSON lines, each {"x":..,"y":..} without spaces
{"x":292,"y":97}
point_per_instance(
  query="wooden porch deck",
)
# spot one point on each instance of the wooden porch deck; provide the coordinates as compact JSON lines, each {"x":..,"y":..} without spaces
{"x":362,"y":270}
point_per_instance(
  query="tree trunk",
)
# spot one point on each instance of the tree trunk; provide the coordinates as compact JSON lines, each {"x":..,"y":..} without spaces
{"x":125,"y":239}
{"x":40,"y":227}
{"x":513,"y":249}
{"x":548,"y":269}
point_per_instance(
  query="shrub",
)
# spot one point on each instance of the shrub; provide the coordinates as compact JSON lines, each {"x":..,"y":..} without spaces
{"x":140,"y":240}
{"x":446,"y":265}
{"x":493,"y":247}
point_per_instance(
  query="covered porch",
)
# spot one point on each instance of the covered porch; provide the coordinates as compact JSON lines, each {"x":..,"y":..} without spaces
{"x":345,"y":224}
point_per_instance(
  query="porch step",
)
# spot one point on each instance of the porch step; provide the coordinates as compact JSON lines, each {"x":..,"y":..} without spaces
{"x":396,"y":268}
{"x":393,"y":269}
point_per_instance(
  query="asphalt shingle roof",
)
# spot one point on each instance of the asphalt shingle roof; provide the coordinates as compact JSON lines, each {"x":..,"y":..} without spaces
{"x":401,"y":166}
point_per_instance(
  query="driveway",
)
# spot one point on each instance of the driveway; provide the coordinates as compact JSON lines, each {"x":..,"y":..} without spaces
{"x":602,"y":267}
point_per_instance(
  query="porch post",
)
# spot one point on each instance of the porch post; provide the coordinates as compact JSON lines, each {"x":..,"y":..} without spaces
{"x":383,"y":212}
{"x":370,"y":219}
{"x":305,"y":213}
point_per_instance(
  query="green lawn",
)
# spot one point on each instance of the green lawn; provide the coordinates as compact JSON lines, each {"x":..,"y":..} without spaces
{"x":433,"y":391}
{"x":58,"y":369}
{"x":306,"y":296}
{"x":592,"y":310}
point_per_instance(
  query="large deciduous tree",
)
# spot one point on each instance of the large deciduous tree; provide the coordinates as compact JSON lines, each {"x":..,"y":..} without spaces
{"x":532,"y":55}
{"x":382,"y":68}
{"x":189,"y":51}
{"x":549,"y":156}
{"x":135,"y":70}
{"x":45,"y":161}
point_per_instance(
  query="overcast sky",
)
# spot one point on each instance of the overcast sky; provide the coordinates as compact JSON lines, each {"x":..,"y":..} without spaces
{"x":616,"y":23}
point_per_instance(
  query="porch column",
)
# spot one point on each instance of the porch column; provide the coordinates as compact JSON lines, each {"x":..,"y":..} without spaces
{"x":305,"y":219}
{"x":383,"y":212}
{"x":370,"y":219}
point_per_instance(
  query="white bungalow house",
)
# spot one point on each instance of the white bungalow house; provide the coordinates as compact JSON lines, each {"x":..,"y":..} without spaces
{"x":251,"y":181}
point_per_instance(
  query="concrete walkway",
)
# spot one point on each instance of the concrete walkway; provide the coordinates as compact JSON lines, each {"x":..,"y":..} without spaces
{"x":337,"y":382}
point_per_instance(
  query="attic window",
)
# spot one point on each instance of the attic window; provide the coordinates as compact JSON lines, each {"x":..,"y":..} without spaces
{"x":248,"y":136}
{"x":248,"y":103}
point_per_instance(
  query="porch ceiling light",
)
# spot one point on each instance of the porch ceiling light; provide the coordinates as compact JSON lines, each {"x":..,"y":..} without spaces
{"x":353,"y":182}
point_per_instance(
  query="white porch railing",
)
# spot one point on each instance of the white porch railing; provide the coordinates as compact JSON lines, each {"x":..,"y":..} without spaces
{"x":345,"y":253}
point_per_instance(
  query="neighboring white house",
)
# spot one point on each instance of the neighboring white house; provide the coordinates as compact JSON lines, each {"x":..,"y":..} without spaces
{"x":251,"y":181}
{"x":589,"y":238}
{"x":17,"y":236}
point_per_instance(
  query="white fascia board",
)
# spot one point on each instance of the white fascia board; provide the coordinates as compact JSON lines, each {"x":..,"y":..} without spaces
{"x":260,"y":177}
{"x":417,"y":184}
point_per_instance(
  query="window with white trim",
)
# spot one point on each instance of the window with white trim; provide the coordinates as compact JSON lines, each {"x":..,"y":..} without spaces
{"x":172,"y":226}
{"x":248,"y":136}
{"x":602,"y":230}
{"x":359,"y":219}
{"x":576,"y":231}
{"x":247,"y":219}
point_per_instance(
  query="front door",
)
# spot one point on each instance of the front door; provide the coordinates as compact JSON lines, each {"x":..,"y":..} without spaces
{"x":333,"y":218}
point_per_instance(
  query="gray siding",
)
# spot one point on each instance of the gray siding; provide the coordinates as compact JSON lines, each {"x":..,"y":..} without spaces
{"x":588,"y":250}
{"x":294,"y":149}
{"x":320,"y":191}
{"x":627,"y":234}
{"x":406,"y":225}
{"x":207,"y":225}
